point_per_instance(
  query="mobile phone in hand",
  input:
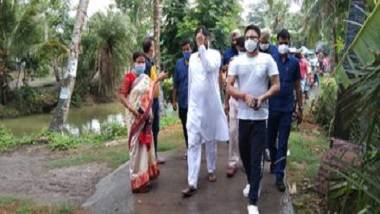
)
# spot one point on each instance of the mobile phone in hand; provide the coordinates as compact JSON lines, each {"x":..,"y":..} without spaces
{"x":140,"y":110}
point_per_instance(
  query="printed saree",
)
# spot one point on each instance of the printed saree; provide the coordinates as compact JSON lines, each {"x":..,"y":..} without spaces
{"x":143,"y":165}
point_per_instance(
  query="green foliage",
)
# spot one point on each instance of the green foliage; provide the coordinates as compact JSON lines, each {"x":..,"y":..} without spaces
{"x":9,"y":141}
{"x":26,"y":206}
{"x":219,"y":13}
{"x":168,"y":120}
{"x":27,"y":100}
{"x":306,"y":146}
{"x":106,"y":53}
{"x":109,"y":131}
{"x":359,"y":73}
{"x":60,"y":141}
{"x":112,"y":131}
{"x":167,"y":87}
{"x":325,"y":16}
{"x":181,"y":20}
{"x":6,"y":139}
{"x":175,"y":12}
{"x":357,"y":189}
{"x":324,"y":106}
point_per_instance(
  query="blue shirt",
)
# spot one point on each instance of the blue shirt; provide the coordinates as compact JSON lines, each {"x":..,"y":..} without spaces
{"x":272,"y":50}
{"x":228,"y":54}
{"x":181,"y":82}
{"x":148,"y":65}
{"x":289,"y":73}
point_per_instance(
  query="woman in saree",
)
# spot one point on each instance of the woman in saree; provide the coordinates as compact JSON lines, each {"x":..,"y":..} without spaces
{"x":136,"y":95}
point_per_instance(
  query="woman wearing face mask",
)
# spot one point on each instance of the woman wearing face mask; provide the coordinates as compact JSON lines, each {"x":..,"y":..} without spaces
{"x":136,"y":95}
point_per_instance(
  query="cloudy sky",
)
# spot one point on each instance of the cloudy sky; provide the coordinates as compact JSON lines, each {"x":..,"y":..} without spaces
{"x":102,"y":5}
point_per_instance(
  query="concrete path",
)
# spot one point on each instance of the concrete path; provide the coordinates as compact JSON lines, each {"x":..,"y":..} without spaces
{"x":113,"y":193}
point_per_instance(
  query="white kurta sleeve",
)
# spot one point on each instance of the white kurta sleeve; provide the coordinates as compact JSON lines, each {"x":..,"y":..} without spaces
{"x":209,"y":62}
{"x":189,"y":78}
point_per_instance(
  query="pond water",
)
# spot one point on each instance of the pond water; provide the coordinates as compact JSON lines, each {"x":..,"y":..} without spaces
{"x":86,"y":118}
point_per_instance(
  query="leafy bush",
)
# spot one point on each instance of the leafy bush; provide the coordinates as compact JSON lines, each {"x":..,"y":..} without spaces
{"x":111,"y":131}
{"x":58,"y":141}
{"x":6,"y":139}
{"x":9,"y":141}
{"x":167,"y":87}
{"x":27,"y":100}
{"x":324,"y":106}
{"x":357,"y":189}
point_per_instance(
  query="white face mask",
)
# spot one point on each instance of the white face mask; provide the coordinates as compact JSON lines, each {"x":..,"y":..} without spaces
{"x":250,"y":45}
{"x":264,"y":47}
{"x":283,"y":49}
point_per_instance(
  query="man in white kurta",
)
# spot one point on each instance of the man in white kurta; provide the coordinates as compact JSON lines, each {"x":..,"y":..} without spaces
{"x":206,"y":123}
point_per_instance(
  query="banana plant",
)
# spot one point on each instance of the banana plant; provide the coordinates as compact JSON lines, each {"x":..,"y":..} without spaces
{"x":359,"y":73}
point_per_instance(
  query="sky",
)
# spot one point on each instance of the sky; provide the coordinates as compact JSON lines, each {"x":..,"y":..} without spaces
{"x":102,"y":5}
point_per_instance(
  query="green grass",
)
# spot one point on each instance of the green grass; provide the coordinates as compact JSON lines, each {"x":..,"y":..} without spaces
{"x":171,"y":141}
{"x":305,"y":149}
{"x":27,"y":206}
{"x":169,"y":120}
{"x":114,"y":156}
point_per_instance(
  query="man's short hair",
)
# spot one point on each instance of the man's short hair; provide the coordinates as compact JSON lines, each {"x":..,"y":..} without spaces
{"x":203,"y":29}
{"x":137,"y":55}
{"x":147,"y":44}
{"x":185,"y":42}
{"x":253,"y":27}
{"x":283,"y":34}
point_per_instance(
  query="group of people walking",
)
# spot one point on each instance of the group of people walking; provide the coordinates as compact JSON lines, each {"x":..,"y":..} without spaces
{"x":245,"y":98}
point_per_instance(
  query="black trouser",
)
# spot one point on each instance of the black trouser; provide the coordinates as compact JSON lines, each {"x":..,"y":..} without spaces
{"x":252,"y":143}
{"x":183,"y":116}
{"x":279,"y":126}
{"x":156,"y":122}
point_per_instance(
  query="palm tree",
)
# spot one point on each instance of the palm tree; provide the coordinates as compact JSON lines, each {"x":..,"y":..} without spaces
{"x":19,"y":27}
{"x":62,"y":110}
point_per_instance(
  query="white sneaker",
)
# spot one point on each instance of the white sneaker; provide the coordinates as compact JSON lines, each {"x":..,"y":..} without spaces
{"x":252,"y":209}
{"x":246,"y":190}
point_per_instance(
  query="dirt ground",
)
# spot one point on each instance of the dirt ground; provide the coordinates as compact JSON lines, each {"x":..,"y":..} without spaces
{"x":28,"y":173}
{"x":25,"y":173}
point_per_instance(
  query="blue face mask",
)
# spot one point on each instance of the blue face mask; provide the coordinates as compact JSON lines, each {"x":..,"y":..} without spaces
{"x":139,"y":68}
{"x":186,"y":55}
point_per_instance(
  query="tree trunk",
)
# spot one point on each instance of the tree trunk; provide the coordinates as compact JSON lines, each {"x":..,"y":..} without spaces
{"x":56,"y":71}
{"x":341,"y":131}
{"x":67,"y":84}
{"x":157,"y":26}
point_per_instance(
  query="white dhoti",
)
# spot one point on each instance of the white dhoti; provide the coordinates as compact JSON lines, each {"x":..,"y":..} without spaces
{"x":233,"y":146}
{"x":194,"y":154}
{"x":206,"y":121}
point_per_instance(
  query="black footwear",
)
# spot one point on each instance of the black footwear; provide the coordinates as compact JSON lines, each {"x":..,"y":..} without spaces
{"x":271,"y":168}
{"x":280,"y":186}
{"x":188,"y":192}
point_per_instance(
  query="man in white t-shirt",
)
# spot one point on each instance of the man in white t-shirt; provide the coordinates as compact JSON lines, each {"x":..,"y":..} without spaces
{"x":253,"y":71}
